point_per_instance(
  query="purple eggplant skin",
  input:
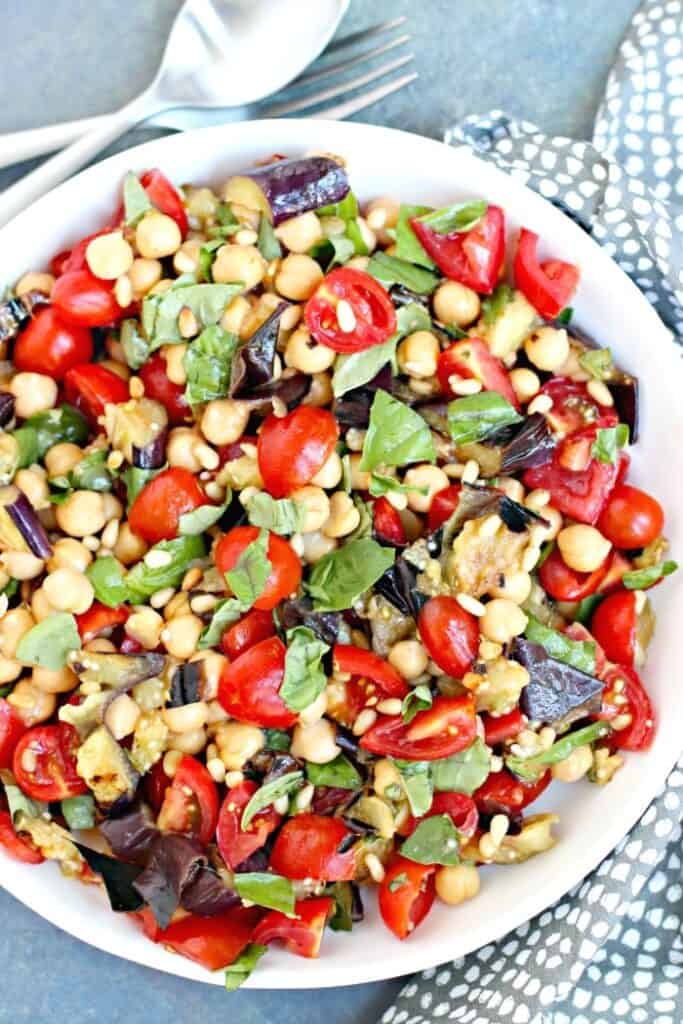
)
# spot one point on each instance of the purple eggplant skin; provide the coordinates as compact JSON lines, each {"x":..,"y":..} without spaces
{"x":625,"y":395}
{"x":26,"y":521}
{"x":556,"y":694}
{"x":153,"y":455}
{"x":15,"y":313}
{"x":253,"y":364}
{"x":296,"y":186}
{"x":532,"y":445}
{"x":6,"y":407}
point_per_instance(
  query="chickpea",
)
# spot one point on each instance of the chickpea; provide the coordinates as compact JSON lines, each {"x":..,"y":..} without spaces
{"x":129,"y":548}
{"x":174,"y":356}
{"x":457,"y":883}
{"x":237,"y":743}
{"x":424,"y":476}
{"x":122,"y":716}
{"x":409,"y":658}
{"x":111,"y":507}
{"x":360,"y":478}
{"x":13,"y":625}
{"x":31,"y":704}
{"x":35,"y":282}
{"x":59,"y":680}
{"x":239,"y":263}
{"x":525,"y":383}
{"x":575,"y":766}
{"x":157,"y":235}
{"x":109,"y":256}
{"x":418,"y":354}
{"x":181,"y":448}
{"x":330,"y":473}
{"x":456,"y":304}
{"x":224,"y":420}
{"x":69,"y":591}
{"x":547,"y":348}
{"x":40,"y":606}
{"x":191,"y":742}
{"x":315,"y":743}
{"x":344,"y":516}
{"x":33,"y":392}
{"x":101,"y":645}
{"x":201,"y":203}
{"x":380,"y":214}
{"x":186,"y":718}
{"x":320,"y":391}
{"x":358,"y":262}
{"x":145,"y":626}
{"x":298,"y":276}
{"x":181,"y":635}
{"x":502,"y":620}
{"x":299,"y":234}
{"x":316,"y":505}
{"x":144,"y":274}
{"x":186,"y":259}
{"x":9,"y":670}
{"x":235,"y":315}
{"x":554,"y":519}
{"x":316,"y":545}
{"x":583,"y":547}
{"x":34,"y":485}
{"x":385,"y":776}
{"x":517,"y":587}
{"x":62,"y":458}
{"x":22,"y":565}
{"x":81,"y":514}
{"x":305,"y":354}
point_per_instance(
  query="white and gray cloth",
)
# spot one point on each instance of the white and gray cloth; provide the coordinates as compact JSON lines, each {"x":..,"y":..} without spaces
{"x":611,"y":951}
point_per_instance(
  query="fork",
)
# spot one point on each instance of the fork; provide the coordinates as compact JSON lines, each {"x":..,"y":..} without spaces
{"x":153,"y":102}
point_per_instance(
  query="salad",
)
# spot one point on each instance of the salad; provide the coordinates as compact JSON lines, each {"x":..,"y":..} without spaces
{"x":318,"y":558}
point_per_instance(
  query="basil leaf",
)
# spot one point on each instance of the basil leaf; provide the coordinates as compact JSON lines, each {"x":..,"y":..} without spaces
{"x":608,"y":442}
{"x":418,"y":699}
{"x":532,"y":767}
{"x":392,"y":270}
{"x":54,"y":426}
{"x":407,"y":245}
{"x":342,"y":894}
{"x":240,"y":969}
{"x":207,"y":363}
{"x":463,"y":772}
{"x":143,"y":581}
{"x":474,"y":417}
{"x":49,"y":642}
{"x":207,"y":301}
{"x":117,"y":877}
{"x":434,"y":841}
{"x":397,"y":883}
{"x":248,"y":577}
{"x":584,"y":609}
{"x":91,"y":473}
{"x":417,"y":782}
{"x":493,"y":306}
{"x":640,"y":579}
{"x":79,"y":811}
{"x":578,"y":653}
{"x":26,"y":453}
{"x":267,"y":242}
{"x":108,"y":581}
{"x":200,"y":519}
{"x":597,"y":362}
{"x":304,"y":679}
{"x":458,"y":217}
{"x":136,"y":349}
{"x":339,"y":774}
{"x":269,"y":793}
{"x":19,"y":803}
{"x":333,"y":251}
{"x":277,"y":739}
{"x":396,"y":435}
{"x":136,"y":202}
{"x":346,"y":208}
{"x":358,"y":368}
{"x":280,"y":515}
{"x":224,"y":614}
{"x":365,"y":524}
{"x":565,"y":316}
{"x":344,"y":574}
{"x":135,"y":479}
{"x":266,"y":890}
{"x":381,"y":485}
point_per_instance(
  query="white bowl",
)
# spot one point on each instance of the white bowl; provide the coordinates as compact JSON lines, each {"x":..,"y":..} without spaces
{"x":593,"y":819}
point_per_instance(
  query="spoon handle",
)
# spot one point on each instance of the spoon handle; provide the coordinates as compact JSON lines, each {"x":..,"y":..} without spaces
{"x":33,"y":142}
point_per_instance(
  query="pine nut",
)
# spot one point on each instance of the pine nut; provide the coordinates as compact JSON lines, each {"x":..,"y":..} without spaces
{"x":470,"y":604}
{"x":375,"y":867}
{"x":187,"y":323}
{"x":161,"y":597}
{"x":470,"y":472}
{"x":136,"y":387}
{"x":600,"y":392}
{"x":498,"y":828}
{"x":346,"y":318}
{"x":191,"y":579}
{"x":365,"y":720}
{"x":464,"y":385}
{"x":233,"y":778}
{"x":216,"y":769}
{"x":156,"y":559}
{"x":541,"y":403}
{"x":391,"y":706}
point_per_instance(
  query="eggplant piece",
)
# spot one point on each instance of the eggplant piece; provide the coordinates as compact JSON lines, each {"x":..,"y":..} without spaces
{"x":257,"y":861}
{"x":353,"y":409}
{"x":6,"y":407}
{"x":557,"y":694}
{"x":15,"y":313}
{"x":399,"y":586}
{"x":435,"y":414}
{"x":475,"y":502}
{"x":173,"y":865}
{"x":207,"y":895}
{"x":290,"y":390}
{"x":291,"y":187}
{"x":252,"y":366}
{"x":625,"y":394}
{"x":299,"y":611}
{"x":185,"y":685}
{"x":153,"y":455}
{"x":118,"y":879}
{"x":531,"y":445}
{"x":120,"y":671}
{"x":20,"y":527}
{"x":106,"y":768}
{"x":403,"y":296}
{"x":130,"y":835}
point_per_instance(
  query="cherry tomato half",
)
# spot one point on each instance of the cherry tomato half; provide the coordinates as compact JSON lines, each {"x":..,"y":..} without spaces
{"x":448,"y":727}
{"x":502,"y":793}
{"x":574,"y":408}
{"x":89,"y":387}
{"x":161,"y":388}
{"x":548,"y":286}
{"x":443,"y":506}
{"x":11,"y":730}
{"x":190,"y":802}
{"x":406,"y":895}
{"x":565,"y":584}
{"x":249,"y":687}
{"x":471,"y":358}
{"x":165,"y":197}
{"x":474,"y":258}
{"x":579,"y":485}
{"x":293,"y":448}
{"x":359,"y":662}
{"x":255,"y":626}
{"x":615,"y":626}
{"x":99,"y":620}
{"x":81,"y":298}
{"x":15,"y":845}
{"x":459,"y":807}
{"x":499,"y":728}
{"x":211,"y":942}
{"x":387,"y":523}
{"x":48,"y":771}
{"x":51,"y":346}
{"x":631,"y":518}
{"x":155,"y":513}
{"x":155,"y":783}
{"x":450,"y":634}
{"x":307,"y":846}
{"x":374,"y":317}
{"x":236,"y":844}
{"x":285,"y":574}
{"x":623,"y":682}
{"x":301,"y":934}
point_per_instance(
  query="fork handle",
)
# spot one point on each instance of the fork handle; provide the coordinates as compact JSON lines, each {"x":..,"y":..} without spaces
{"x":32,"y":142}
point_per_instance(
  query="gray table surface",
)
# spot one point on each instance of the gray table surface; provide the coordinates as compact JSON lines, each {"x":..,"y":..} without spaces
{"x":542,"y":59}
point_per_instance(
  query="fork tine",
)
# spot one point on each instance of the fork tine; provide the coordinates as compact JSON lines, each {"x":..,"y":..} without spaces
{"x":337,"y":90}
{"x":363,"y":34}
{"x":353,"y":106}
{"x":345,"y":65}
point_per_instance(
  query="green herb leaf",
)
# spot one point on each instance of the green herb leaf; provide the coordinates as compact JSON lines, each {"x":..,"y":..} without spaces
{"x":434,"y":841}
{"x":356,"y":369}
{"x":267,"y":242}
{"x":207,"y":363}
{"x":418,"y":699}
{"x":266,"y":890}
{"x":475,"y":417}
{"x":365,"y":524}
{"x":417,"y":782}
{"x":277,"y":739}
{"x":269,"y":793}
{"x":407,"y":245}
{"x":392,"y":270}
{"x":640,"y":579}
{"x":200,"y":519}
{"x":494,"y":305}
{"x":584,"y":609}
{"x":333,"y":251}
{"x":19,"y":803}
{"x":597,"y":362}
{"x":108,"y":581}
{"x":347,"y":572}
{"x":26,"y":453}
{"x":532,"y":767}
{"x":135,"y":347}
{"x":304,"y":679}
{"x":346,"y":208}
{"x":207,"y":301}
{"x":463,"y":772}
{"x":342,"y":895}
{"x":143,"y":581}
{"x":565,"y":317}
{"x":136,"y":202}
{"x":251,"y":571}
{"x":49,"y":642}
{"x":79,"y":811}
{"x":280,"y":515}
{"x":396,"y":435}
{"x":224,"y":614}
{"x":458,"y":217}
{"x":397,"y":883}
{"x":240,"y":969}
{"x":90,"y":474}
{"x":608,"y":442}
{"x":578,"y":653}
{"x":53,"y":427}
{"x":340,"y":774}
{"x":381,"y":485}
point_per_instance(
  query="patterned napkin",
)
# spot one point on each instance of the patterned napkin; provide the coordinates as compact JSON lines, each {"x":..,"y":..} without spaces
{"x":611,"y":951}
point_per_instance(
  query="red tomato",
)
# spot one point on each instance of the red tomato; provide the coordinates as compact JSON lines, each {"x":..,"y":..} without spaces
{"x":249,"y":687}
{"x":81,"y":298}
{"x":161,"y":388}
{"x":49,"y":345}
{"x":615,"y":626}
{"x":196,"y":813}
{"x":548,"y":286}
{"x":285,"y":575}
{"x":502,"y":727}
{"x":307,"y":846}
{"x":165,"y":197}
{"x":580,"y":493}
{"x":359,"y":662}
{"x":59,"y":262}
{"x":74,"y":258}
{"x":617,"y":566}
{"x":471,"y":358}
{"x":293,"y":448}
{"x":459,"y":807}
{"x":155,"y":783}
{"x":503,"y":793}
{"x":575,"y":631}
{"x":373,"y":311}
{"x":100,"y":620}
{"x":448,"y":727}
{"x":450,"y":634}
{"x":235,"y":844}
{"x":565,"y":584}
{"x":387,"y":523}
{"x":228,"y":452}
{"x":155,"y":513}
{"x":301,"y":934}
{"x":212,"y":942}
{"x":443,"y":506}
{"x":573,"y":408}
{"x":639,"y":734}
{"x":11,"y":730}
{"x":631,"y":518}
{"x":406,"y":894}
{"x":16,"y":846}
{"x":474,"y":258}
{"x":52,"y":773}
{"x":256,"y":625}
{"x":90,"y":387}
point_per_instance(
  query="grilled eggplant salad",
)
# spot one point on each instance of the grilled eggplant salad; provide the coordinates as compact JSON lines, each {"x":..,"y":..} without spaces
{"x":318,"y":558}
